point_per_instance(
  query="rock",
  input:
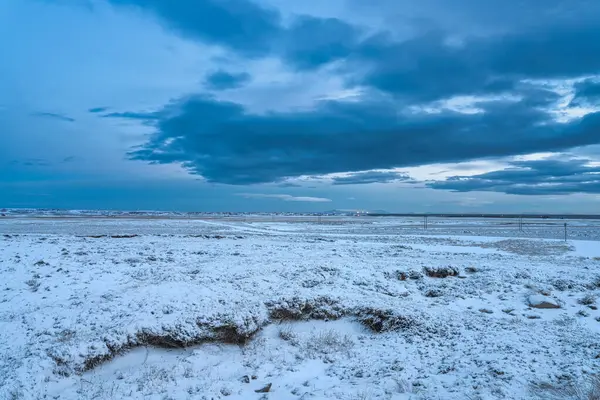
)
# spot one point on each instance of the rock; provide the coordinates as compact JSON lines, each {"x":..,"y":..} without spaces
{"x":266,"y":389}
{"x":539,"y":301}
{"x":485,"y":311}
{"x":245,"y":379}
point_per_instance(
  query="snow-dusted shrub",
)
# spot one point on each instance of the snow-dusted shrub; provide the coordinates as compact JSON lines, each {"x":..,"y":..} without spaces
{"x":563,"y":284}
{"x":296,"y":308}
{"x":441,"y":272}
{"x":433,"y":292}
{"x":587,"y":300}
{"x":522,"y":275}
{"x":34,"y":284}
{"x":595,"y":283}
{"x":379,"y":320}
{"x":404,"y":275}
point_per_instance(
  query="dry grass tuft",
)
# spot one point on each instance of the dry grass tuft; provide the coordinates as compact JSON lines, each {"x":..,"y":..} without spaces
{"x":587,"y":300}
{"x":586,"y":390}
{"x":286,"y":333}
{"x":329,"y":342}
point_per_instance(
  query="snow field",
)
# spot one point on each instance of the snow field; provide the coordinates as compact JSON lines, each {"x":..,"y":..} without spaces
{"x":318,"y":312}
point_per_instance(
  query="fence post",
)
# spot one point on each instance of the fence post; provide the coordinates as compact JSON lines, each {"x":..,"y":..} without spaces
{"x":521,"y":223}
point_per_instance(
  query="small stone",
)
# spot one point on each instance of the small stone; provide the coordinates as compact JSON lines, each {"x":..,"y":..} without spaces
{"x":245,"y":379}
{"x":266,"y":389}
{"x":485,"y":311}
{"x":540,"y":301}
{"x":254,"y":377}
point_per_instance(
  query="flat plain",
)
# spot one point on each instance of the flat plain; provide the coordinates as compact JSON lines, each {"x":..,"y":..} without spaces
{"x":269,"y":307}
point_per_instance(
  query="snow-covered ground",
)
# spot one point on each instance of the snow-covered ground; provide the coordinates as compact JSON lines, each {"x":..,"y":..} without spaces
{"x":191,"y":309}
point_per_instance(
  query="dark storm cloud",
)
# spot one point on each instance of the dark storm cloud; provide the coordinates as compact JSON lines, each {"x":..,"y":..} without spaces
{"x":31,"y":162}
{"x":551,"y":41}
{"x":222,"y":80}
{"x":366,"y":177}
{"x":59,"y":117}
{"x":98,"y":110}
{"x":427,"y":68}
{"x":241,"y":25}
{"x":537,"y":177}
{"x":587,"y":93}
{"x":312,"y":42}
{"x":480,"y":17}
{"x":223,"y":143}
{"x":253,"y":30}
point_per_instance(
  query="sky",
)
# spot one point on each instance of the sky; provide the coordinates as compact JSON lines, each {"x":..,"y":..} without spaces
{"x":282,"y":105}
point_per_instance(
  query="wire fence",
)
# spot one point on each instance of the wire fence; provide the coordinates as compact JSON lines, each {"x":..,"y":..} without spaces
{"x":557,"y":228}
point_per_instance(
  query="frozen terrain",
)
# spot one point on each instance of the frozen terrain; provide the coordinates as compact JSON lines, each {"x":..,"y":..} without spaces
{"x":108,"y":308}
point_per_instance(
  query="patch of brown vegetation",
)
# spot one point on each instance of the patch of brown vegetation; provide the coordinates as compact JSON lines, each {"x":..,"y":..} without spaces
{"x":294,"y":309}
{"x":441,"y":272}
{"x":212,"y":236}
{"x":223,"y":332}
{"x":380,"y":321}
